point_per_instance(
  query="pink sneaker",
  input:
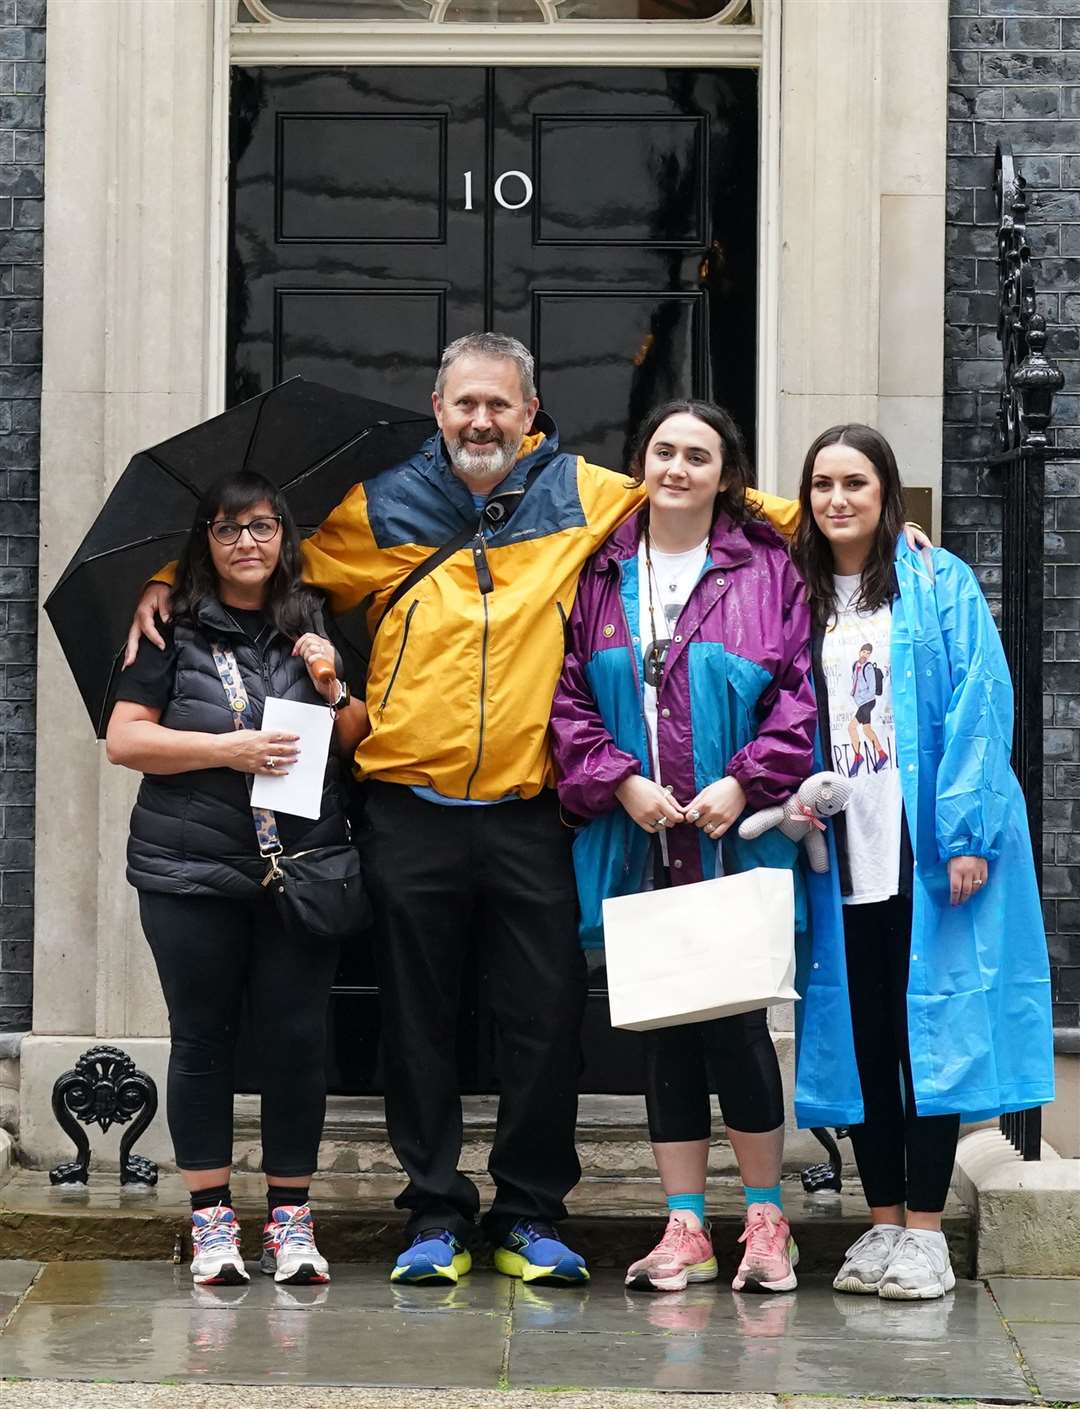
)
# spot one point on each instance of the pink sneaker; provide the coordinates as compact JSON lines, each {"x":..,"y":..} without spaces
{"x":770,"y":1253}
{"x":682,"y":1255}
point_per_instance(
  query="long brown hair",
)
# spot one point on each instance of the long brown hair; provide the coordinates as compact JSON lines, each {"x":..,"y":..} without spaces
{"x":811,"y":549}
{"x":735,"y":466}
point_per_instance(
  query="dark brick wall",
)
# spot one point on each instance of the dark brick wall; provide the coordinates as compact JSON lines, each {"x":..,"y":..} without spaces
{"x":1015,"y":75}
{"x":22,"y":89}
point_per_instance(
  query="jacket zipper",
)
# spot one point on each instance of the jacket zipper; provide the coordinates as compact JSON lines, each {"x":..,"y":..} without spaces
{"x":400,"y":656}
{"x":486,"y":585}
{"x":483,"y":702}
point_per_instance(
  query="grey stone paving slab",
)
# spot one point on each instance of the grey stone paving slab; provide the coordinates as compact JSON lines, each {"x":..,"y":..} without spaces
{"x":788,"y":1363}
{"x":712,"y":1309}
{"x":157,"y":1342}
{"x":1052,"y":1354}
{"x":16,"y":1275}
{"x":354,"y":1287}
{"x":1055,"y":1299}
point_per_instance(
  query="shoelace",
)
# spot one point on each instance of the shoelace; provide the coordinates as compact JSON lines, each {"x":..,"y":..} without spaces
{"x":215,"y":1234}
{"x":906,"y":1246}
{"x":534,"y":1228}
{"x":675,"y":1236}
{"x":758,"y":1235}
{"x":434,"y":1235}
{"x":298,"y":1230}
{"x":866,"y":1242}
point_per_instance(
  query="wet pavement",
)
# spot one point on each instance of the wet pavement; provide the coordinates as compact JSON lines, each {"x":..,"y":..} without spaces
{"x":1006,"y":1340}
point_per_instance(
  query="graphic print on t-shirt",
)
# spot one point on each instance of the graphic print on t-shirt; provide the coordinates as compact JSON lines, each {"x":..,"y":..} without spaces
{"x":855,"y":656}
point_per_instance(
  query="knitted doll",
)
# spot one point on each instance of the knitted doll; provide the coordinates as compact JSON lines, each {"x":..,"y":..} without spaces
{"x":799,"y":819}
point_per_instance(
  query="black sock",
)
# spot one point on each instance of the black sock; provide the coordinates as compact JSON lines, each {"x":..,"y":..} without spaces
{"x":284,"y":1195}
{"x":210,"y":1198}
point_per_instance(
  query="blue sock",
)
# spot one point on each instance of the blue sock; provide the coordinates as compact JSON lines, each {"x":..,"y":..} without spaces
{"x":692,"y":1203}
{"x":771,"y":1195}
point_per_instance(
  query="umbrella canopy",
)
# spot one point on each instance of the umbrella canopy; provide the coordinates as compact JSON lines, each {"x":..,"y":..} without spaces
{"x":311,"y":441}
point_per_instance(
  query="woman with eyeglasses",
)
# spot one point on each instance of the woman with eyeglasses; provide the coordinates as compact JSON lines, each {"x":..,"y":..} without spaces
{"x":685,"y":699}
{"x":194,"y":858}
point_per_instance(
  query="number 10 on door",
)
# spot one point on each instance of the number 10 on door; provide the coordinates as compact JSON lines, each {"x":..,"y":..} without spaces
{"x":499,"y":189}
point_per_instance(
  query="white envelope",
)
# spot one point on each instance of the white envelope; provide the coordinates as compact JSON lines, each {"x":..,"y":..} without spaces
{"x":299,"y":791}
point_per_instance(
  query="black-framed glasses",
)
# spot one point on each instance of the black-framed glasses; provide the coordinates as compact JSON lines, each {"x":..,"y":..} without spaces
{"x":227,"y":532}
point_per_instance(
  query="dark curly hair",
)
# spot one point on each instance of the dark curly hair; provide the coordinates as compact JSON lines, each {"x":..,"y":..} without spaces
{"x":737,"y":470}
{"x":291,"y":604}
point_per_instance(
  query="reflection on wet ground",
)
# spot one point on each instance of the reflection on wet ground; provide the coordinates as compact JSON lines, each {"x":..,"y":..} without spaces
{"x":1009,"y":1339}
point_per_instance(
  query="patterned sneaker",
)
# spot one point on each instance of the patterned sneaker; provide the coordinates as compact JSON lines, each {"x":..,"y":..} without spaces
{"x":866,"y":1260}
{"x":215,"y":1242}
{"x":434,"y":1256}
{"x":682,"y":1255}
{"x":289,"y":1253}
{"x":533,"y":1251}
{"x":770,"y":1256}
{"x":919,"y":1269}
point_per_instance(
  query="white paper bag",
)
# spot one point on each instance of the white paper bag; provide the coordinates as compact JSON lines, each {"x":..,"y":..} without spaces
{"x":706,"y":950}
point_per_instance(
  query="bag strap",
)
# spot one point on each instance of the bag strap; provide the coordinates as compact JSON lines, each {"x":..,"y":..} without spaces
{"x":498,"y":510}
{"x":266,"y":828}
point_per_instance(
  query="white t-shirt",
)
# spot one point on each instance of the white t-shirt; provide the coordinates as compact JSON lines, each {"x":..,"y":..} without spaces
{"x":674,"y":576}
{"x":855,"y":657}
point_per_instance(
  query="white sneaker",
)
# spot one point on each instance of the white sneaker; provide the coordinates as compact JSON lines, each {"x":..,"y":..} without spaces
{"x":215,"y":1241}
{"x":919,"y":1268}
{"x":866,"y":1260}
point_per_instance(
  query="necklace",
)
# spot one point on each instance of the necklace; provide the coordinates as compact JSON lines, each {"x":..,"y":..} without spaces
{"x":657,"y":652}
{"x":257,"y":638}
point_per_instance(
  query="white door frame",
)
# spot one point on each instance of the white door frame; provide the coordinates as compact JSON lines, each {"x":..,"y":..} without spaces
{"x":690,"y":44}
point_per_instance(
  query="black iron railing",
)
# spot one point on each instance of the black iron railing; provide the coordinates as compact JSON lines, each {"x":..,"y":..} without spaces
{"x":1030,"y":380}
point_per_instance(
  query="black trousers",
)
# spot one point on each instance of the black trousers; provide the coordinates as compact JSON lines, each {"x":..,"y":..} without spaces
{"x":210,"y":954}
{"x":438,"y":877}
{"x":903,"y":1157}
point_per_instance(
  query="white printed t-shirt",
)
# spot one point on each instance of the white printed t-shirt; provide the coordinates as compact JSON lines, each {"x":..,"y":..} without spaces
{"x":862,"y":731}
{"x":674,"y":577}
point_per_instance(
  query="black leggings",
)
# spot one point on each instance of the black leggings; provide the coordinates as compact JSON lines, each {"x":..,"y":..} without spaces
{"x":737,"y":1053}
{"x":210,"y":953}
{"x":903,"y":1157}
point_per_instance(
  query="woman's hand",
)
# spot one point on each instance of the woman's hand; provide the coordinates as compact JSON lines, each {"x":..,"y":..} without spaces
{"x":717,"y":807}
{"x":318,"y":656}
{"x":967,"y":874}
{"x":265,"y":751}
{"x":155,"y":599}
{"x":916,"y":538}
{"x":648,"y":804}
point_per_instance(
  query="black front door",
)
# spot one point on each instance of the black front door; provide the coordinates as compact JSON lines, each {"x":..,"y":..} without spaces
{"x":606,"y":217}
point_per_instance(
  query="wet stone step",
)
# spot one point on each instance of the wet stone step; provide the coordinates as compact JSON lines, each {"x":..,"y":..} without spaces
{"x":612,"y":1220}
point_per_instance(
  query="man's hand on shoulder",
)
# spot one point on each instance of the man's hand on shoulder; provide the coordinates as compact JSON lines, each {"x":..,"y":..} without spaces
{"x":154,"y":601}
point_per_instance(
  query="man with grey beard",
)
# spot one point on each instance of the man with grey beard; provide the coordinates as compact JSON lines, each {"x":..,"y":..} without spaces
{"x":464,"y":841}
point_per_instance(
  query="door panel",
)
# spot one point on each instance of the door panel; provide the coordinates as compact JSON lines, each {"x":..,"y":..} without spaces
{"x":349,"y":263}
{"x":605,"y":216}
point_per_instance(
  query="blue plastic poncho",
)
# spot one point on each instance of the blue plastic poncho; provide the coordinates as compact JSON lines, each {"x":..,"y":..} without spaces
{"x":979,"y":1018}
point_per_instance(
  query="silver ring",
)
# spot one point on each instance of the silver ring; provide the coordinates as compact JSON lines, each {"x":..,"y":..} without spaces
{"x":271,"y":763}
{"x":976,"y":884}
{"x":660,"y":822}
{"x":694,"y":816}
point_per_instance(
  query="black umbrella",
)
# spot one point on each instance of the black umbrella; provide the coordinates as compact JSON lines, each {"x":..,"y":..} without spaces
{"x":313,"y":442}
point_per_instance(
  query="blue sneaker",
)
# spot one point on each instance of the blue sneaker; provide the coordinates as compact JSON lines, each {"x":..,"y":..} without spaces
{"x":533,"y":1251}
{"x":435,"y":1256}
{"x":853,"y":770}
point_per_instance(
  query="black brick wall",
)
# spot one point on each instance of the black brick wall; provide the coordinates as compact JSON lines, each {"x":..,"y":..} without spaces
{"x":1015,"y":75}
{"x":22,"y":88}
